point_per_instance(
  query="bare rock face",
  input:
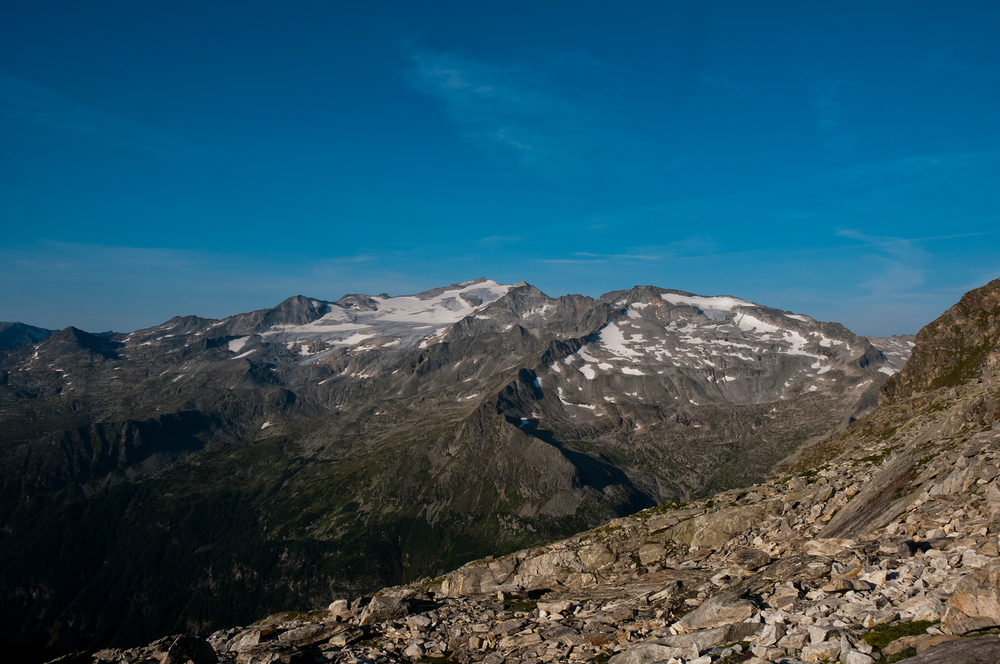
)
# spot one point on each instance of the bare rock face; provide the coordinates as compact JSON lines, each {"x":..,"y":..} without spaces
{"x":975,"y":603}
{"x":723,"y":609}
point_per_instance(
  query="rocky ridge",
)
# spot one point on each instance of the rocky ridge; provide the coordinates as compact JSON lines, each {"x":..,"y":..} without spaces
{"x":880,"y":544}
{"x":279,"y":456}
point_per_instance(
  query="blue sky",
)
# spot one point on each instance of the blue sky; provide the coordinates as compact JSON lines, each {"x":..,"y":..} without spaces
{"x":840,"y":160}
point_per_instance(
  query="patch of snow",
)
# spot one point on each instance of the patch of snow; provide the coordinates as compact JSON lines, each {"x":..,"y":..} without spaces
{"x":242,"y":355}
{"x":236,"y":345}
{"x":887,"y":371}
{"x":265,"y":425}
{"x":614,"y":342}
{"x":804,"y":319}
{"x":754,"y":324}
{"x":716,"y":303}
{"x":588,"y":371}
{"x":632,"y":372}
{"x":813,"y":388}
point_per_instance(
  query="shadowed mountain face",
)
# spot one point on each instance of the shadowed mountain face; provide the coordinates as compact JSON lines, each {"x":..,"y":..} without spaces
{"x":15,"y":335}
{"x":204,"y":472}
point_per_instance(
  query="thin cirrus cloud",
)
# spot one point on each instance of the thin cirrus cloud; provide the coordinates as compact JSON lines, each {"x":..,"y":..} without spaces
{"x":900,"y":264}
{"x":28,"y":102}
{"x":511,"y":111}
{"x":828,"y":99}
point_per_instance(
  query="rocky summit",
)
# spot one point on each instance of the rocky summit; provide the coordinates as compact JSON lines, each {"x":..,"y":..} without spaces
{"x":879,"y":544}
{"x":202,"y":473}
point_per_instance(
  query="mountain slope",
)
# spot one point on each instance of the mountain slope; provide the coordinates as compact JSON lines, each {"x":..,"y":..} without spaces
{"x":881,"y":546}
{"x":278,"y":456}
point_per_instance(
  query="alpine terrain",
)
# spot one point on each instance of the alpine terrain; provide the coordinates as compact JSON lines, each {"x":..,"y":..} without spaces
{"x":879,"y":544}
{"x":203,"y":473}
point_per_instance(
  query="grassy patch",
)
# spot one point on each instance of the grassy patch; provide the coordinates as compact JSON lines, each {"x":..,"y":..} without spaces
{"x":524,"y":606}
{"x":882,"y":635}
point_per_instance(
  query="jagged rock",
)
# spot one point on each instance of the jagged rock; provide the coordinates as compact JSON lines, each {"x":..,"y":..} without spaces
{"x":976,"y":602}
{"x":723,"y":609}
{"x":821,"y":652}
{"x":709,"y":638}
{"x":339,"y":609}
{"x":309,"y":634}
{"x":751,"y":559}
{"x":383,"y":608}
{"x":644,"y":653}
{"x":414,"y":651}
{"x":189,"y":649}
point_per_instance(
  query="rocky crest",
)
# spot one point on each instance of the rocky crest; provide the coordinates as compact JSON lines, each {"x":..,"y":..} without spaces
{"x":880,"y":544}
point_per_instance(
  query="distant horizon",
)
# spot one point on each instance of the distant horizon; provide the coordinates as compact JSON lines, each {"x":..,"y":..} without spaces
{"x":456,"y":283}
{"x":182,"y":157}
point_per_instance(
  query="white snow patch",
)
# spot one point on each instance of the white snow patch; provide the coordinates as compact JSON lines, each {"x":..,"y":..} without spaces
{"x":887,"y":371}
{"x":813,"y":388}
{"x":632,"y":372}
{"x":242,"y":355}
{"x":804,"y":319}
{"x":265,"y":425}
{"x":613,"y":340}
{"x":754,"y":324}
{"x":236,"y":344}
{"x":588,"y":371}
{"x":716,"y":303}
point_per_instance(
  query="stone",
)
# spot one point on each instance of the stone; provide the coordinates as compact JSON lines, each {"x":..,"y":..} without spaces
{"x":821,"y":652}
{"x":750,"y":559}
{"x":722,"y":609}
{"x":828,"y":546}
{"x":923,"y":608}
{"x":856,"y":657}
{"x":190,"y":649}
{"x":710,"y":638}
{"x":414,"y":651}
{"x":820,"y":633}
{"x":309,"y":634}
{"x":975,"y":603}
{"x":340,"y":609}
{"x":383,"y":608}
{"x":644,"y":653}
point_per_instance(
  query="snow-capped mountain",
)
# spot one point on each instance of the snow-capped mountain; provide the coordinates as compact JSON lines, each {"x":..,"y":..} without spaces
{"x":376,"y":439}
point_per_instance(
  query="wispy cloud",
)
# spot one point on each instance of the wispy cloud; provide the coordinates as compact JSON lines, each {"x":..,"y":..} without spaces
{"x":35,"y":104}
{"x":900,"y":264}
{"x":510,"y":110}
{"x":831,"y":111}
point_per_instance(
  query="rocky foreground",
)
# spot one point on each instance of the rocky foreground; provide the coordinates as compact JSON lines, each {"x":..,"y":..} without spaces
{"x":878,"y":545}
{"x":748,"y":576}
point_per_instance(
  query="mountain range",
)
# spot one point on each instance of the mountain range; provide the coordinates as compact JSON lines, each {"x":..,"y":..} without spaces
{"x":202,"y":472}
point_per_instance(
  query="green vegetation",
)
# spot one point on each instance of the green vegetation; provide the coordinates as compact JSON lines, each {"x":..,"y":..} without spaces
{"x":882,"y":635}
{"x":524,"y":606}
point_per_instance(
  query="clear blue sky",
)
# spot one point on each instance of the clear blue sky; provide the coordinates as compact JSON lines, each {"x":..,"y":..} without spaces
{"x":160,"y":157}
